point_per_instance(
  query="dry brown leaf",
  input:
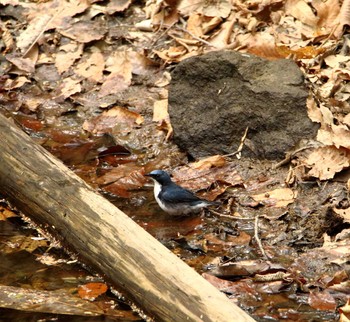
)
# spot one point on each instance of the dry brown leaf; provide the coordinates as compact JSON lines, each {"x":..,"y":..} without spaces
{"x":187,"y":7}
{"x":346,"y":120}
{"x":337,"y":135}
{"x":161,"y":115}
{"x":210,"y":23}
{"x":327,"y":89}
{"x":327,"y":12}
{"x":33,"y":32}
{"x":343,"y":18}
{"x":32,"y":103}
{"x":139,"y":62}
{"x":197,"y":179}
{"x":114,"y":6}
{"x":214,"y":8}
{"x":345,"y":312}
{"x":344,"y":213}
{"x":190,"y":44}
{"x":84,"y":31}
{"x":6,"y":38}
{"x":23,"y":64}
{"x":6,"y":213}
{"x":223,"y":38}
{"x":61,"y":10}
{"x":109,"y":119}
{"x":210,"y":162}
{"x":322,"y":301}
{"x":329,"y":133}
{"x":336,"y":60}
{"x":306,"y":52}
{"x":326,"y":161}
{"x":341,"y":136}
{"x":114,"y":83}
{"x":68,"y":87}
{"x":164,"y":18}
{"x":172,"y":54}
{"x":327,"y":115}
{"x":16,"y":83}
{"x":216,"y":244}
{"x":91,"y":66}
{"x":91,"y":291}
{"x":122,"y":179}
{"x":120,"y":67}
{"x":125,"y":115}
{"x":300,"y":10}
{"x":313,"y":111}
{"x":218,"y":8}
{"x":67,"y":55}
{"x":261,"y":44}
{"x":194,"y":24}
{"x":325,"y":136}
{"x":280,"y":197}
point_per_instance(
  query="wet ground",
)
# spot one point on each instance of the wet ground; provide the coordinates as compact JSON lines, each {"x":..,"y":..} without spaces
{"x":277,"y":246}
{"x":220,"y":243}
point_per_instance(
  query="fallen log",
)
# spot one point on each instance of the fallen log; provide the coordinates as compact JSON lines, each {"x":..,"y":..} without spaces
{"x":44,"y":189}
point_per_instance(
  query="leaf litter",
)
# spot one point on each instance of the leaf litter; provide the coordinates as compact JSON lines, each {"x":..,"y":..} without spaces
{"x":89,"y":81}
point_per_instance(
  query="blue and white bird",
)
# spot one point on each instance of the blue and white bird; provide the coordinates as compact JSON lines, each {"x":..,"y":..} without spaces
{"x":174,"y":199}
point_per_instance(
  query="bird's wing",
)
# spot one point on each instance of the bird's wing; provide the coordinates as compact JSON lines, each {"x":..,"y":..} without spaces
{"x":177,"y":195}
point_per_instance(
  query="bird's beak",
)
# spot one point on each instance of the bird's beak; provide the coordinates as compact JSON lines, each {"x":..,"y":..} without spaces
{"x":147,"y":175}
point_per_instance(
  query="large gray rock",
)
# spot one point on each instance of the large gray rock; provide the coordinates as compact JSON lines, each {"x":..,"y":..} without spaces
{"x":214,"y":97}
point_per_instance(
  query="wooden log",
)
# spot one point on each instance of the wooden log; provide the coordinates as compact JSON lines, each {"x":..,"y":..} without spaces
{"x":43,"y":188}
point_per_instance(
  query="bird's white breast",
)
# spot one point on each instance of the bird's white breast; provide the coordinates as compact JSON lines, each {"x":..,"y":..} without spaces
{"x":157,"y":189}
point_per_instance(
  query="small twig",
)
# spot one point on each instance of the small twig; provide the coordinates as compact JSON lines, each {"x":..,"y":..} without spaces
{"x":46,"y":23}
{"x":240,"y":148}
{"x":195,"y":37}
{"x":161,"y":34}
{"x":227,"y":216}
{"x":278,"y":276}
{"x":256,"y":236}
{"x":301,"y":146}
{"x":289,"y":157}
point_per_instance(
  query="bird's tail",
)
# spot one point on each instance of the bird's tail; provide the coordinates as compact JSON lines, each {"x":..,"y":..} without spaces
{"x":214,"y":203}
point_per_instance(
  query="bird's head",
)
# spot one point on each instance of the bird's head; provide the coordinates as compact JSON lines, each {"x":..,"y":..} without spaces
{"x":160,"y":176}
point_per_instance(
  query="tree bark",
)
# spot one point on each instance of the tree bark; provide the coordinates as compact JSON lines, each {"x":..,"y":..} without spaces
{"x":44,"y":189}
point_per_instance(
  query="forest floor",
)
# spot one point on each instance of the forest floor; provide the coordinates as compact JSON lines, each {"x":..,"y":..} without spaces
{"x":88,"y":80}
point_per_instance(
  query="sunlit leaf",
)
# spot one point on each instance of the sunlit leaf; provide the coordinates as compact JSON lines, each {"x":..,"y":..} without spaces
{"x":322,"y":301}
{"x":280,"y":197}
{"x":161,"y":115}
{"x":67,"y":55}
{"x":91,"y":291}
{"x":105,"y":122}
{"x":91,"y":65}
{"x":120,"y":68}
{"x":197,"y":179}
{"x":6,"y":213}
{"x":325,"y":162}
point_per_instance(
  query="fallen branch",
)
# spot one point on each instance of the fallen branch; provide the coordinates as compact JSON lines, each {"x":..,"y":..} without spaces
{"x":104,"y":237}
{"x":256,"y":236}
